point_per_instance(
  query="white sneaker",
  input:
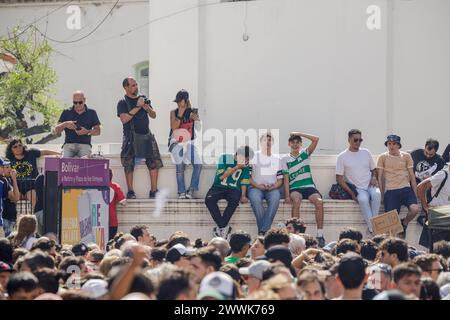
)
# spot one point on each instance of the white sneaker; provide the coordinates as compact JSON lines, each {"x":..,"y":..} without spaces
{"x":182,"y":195}
{"x":227,"y":232}
{"x":216,"y":232}
{"x":189,"y":194}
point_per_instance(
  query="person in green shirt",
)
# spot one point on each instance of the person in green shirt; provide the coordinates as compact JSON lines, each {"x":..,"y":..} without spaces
{"x":240,"y":243}
{"x":298,"y":181}
{"x":230,"y":183}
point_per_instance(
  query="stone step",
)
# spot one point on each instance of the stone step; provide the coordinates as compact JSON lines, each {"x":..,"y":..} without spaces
{"x":192,"y":216}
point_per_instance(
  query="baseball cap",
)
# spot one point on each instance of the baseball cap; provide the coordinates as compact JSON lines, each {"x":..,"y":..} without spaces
{"x":95,"y":287}
{"x":393,"y":138}
{"x":80,"y":249}
{"x":5,"y":267}
{"x":279,"y":253}
{"x":256,"y":269}
{"x":390,"y":295}
{"x":217,"y":285}
{"x":381,"y":267}
{"x":4,"y":162}
{"x":181,"y":95}
{"x":177,"y":251}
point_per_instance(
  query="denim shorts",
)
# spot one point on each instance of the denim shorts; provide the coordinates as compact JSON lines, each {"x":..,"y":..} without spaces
{"x":395,"y":199}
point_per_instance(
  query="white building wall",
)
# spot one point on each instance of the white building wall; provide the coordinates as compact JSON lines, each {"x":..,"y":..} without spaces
{"x":308,"y":65}
{"x":98,"y":64}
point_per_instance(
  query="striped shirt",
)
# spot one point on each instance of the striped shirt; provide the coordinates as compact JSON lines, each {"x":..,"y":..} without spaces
{"x":299,"y":170}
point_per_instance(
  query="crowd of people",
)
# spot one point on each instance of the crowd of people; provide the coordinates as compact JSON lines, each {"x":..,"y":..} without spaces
{"x":285,"y":264}
{"x":277,"y":263}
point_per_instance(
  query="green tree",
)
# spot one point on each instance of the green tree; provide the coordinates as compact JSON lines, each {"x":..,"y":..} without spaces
{"x":27,"y":88}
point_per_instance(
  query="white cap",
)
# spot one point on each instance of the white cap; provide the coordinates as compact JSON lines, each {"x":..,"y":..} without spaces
{"x":217,"y":285}
{"x":95,"y":287}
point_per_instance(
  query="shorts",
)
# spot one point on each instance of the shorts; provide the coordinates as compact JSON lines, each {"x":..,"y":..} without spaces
{"x":306,"y":192}
{"x":395,"y":199}
{"x":25,"y":185}
{"x":127,"y":157}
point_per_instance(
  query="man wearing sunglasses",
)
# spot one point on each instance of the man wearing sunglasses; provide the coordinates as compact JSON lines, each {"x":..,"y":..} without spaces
{"x":356,"y":174}
{"x":79,"y":124}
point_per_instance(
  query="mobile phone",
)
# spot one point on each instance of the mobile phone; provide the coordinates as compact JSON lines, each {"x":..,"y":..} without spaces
{"x":195,"y":110}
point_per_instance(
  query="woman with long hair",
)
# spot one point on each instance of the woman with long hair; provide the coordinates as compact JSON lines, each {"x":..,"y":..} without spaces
{"x":181,"y":144}
{"x":26,"y":232}
{"x":23,"y":160}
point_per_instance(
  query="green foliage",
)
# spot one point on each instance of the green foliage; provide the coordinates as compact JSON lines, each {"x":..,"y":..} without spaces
{"x":28,"y":88}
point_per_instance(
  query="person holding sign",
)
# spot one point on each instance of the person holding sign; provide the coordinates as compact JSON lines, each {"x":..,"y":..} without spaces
{"x":397,"y":180}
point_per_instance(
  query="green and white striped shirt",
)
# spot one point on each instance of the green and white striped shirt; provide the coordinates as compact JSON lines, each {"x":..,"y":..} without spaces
{"x":299,"y":170}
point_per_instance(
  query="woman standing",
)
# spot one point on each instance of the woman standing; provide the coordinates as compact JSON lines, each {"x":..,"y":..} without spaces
{"x":24,"y":162}
{"x":181,"y":144}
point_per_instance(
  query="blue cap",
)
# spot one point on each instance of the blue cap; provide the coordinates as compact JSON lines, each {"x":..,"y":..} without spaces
{"x":393,"y":138}
{"x":4,"y":162}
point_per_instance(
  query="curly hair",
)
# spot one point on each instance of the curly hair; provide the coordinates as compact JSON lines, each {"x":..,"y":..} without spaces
{"x":9,"y":154}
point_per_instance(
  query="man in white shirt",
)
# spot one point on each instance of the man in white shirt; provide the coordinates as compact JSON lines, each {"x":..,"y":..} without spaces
{"x":266,"y":179}
{"x":356,"y":173}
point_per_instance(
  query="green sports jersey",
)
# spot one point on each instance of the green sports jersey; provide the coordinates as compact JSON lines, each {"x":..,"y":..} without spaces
{"x":239,"y":178}
{"x":299,"y":170}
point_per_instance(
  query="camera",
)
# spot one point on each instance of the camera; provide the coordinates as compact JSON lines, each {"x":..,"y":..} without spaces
{"x":146,"y":100}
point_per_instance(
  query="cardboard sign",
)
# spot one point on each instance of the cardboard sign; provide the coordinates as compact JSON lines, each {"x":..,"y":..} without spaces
{"x":388,"y":223}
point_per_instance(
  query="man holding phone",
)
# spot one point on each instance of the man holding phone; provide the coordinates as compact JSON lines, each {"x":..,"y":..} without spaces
{"x":79,"y":124}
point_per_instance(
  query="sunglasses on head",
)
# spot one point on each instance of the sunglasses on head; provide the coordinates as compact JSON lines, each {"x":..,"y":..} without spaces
{"x":78,"y":102}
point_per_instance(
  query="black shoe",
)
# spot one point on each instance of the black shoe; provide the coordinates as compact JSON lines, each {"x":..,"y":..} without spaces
{"x":131,"y":195}
{"x":152,"y":194}
{"x":321,"y":241}
{"x":402,"y":234}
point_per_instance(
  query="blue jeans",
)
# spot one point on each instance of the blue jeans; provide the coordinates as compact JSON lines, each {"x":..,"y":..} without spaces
{"x":8,"y":226}
{"x":186,"y":155}
{"x":71,"y":150}
{"x":369,"y":201}
{"x":264,"y":217}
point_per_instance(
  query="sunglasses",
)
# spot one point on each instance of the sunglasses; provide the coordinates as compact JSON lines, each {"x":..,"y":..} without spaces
{"x":437,"y":270}
{"x":78,"y":102}
{"x":17,"y":146}
{"x":357,"y":140}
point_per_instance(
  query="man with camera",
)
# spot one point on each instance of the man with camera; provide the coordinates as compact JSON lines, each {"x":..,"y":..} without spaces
{"x":138,"y":141}
{"x":79,"y":124}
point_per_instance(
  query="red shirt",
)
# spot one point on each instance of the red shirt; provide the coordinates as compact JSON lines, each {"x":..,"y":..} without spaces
{"x":117,"y":195}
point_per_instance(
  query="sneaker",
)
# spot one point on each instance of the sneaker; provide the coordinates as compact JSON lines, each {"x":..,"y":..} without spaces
{"x":421,"y":219}
{"x":152,"y":194}
{"x":190,"y":195}
{"x":131,"y":195}
{"x":321,"y":241}
{"x":216,"y":232}
{"x":227,"y":232}
{"x":182,"y":195}
{"x":402,"y":235}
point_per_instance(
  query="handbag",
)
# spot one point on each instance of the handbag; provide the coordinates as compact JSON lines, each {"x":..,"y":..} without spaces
{"x":338,"y":193}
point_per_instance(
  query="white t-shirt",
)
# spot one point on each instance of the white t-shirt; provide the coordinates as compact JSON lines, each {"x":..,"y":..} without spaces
{"x":356,"y":167}
{"x":29,"y":243}
{"x":266,"y":169}
{"x":444,"y":196}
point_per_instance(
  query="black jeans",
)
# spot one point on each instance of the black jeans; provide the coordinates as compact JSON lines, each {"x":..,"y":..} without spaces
{"x":112,"y":232}
{"x":212,"y":198}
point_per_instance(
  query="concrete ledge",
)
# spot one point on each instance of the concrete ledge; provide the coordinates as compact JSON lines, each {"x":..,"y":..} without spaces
{"x":192,"y":216}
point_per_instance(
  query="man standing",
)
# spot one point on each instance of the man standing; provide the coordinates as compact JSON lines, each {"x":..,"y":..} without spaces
{"x":355,"y":166}
{"x":426,"y":163}
{"x":298,"y":181}
{"x":266,"y":179}
{"x":133,"y":111}
{"x":397,"y":180}
{"x":230,"y":183}
{"x":79,"y":124}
